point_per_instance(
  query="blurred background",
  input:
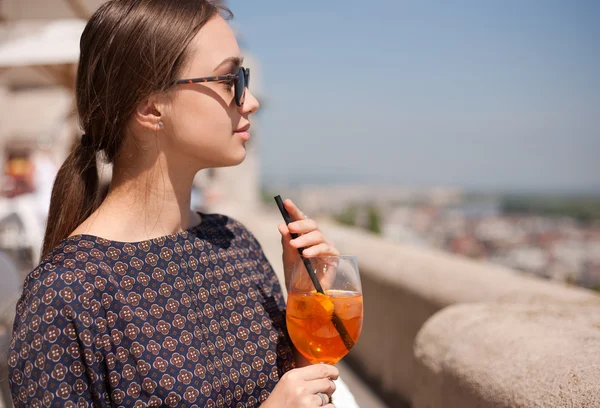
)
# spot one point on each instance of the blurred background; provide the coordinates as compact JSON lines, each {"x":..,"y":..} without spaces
{"x":454,"y":147}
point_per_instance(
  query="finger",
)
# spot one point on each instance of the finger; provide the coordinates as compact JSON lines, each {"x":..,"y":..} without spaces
{"x":317,"y":401}
{"x":308,"y":239}
{"x":302,"y":226}
{"x":285,"y":232}
{"x":324,"y":385}
{"x":317,"y":371}
{"x":294,"y":211}
{"x":323,"y":249}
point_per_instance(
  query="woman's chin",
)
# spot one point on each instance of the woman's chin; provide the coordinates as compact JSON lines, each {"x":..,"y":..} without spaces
{"x":241,"y":156}
{"x":233,"y":160}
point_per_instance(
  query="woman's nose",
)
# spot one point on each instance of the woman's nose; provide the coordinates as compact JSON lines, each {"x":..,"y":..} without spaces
{"x":251,"y":104}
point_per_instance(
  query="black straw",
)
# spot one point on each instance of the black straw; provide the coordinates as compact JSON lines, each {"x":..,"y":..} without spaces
{"x":337,"y":322}
{"x":307,"y":264}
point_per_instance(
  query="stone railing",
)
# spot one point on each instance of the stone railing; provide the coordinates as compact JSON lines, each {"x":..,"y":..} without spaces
{"x":443,"y":331}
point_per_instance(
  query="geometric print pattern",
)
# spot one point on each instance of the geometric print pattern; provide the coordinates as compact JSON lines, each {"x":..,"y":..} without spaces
{"x":193,"y":319}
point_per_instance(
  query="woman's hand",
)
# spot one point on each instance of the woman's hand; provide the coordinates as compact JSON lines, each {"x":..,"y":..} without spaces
{"x":310,"y":238}
{"x":298,"y":388}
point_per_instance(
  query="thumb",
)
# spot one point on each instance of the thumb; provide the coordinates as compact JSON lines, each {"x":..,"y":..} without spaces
{"x":289,"y":252}
{"x":286,"y":236}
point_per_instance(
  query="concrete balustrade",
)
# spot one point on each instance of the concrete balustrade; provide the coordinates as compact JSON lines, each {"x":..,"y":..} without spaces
{"x":509,"y":355}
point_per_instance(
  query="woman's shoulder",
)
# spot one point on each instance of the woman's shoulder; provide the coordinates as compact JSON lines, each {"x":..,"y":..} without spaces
{"x":73,"y":266}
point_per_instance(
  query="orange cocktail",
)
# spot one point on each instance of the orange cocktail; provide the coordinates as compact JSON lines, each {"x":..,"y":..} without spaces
{"x":309,"y":322}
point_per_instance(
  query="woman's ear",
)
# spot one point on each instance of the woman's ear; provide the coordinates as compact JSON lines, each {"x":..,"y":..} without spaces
{"x":148,"y":114}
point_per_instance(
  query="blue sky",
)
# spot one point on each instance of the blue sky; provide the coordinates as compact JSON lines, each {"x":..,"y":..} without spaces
{"x":494,"y":95}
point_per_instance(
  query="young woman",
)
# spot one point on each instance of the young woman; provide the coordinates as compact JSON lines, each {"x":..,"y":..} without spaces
{"x":139,"y":301}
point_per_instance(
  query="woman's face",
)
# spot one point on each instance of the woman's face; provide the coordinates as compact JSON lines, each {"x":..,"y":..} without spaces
{"x":203,"y":122}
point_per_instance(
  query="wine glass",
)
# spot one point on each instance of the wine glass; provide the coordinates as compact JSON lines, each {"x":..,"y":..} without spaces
{"x":325,"y":313}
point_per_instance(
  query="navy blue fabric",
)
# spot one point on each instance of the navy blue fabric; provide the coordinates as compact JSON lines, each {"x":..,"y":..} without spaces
{"x":194,"y":319}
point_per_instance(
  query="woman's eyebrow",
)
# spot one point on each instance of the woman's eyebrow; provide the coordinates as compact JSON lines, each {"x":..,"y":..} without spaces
{"x":235,"y":61}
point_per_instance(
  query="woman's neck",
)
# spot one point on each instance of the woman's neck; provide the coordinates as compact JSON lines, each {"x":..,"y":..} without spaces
{"x":145,"y":201}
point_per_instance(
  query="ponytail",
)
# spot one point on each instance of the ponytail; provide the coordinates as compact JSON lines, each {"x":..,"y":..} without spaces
{"x":75,"y":195}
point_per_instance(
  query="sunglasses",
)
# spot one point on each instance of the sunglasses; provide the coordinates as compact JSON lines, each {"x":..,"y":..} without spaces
{"x":240,"y":81}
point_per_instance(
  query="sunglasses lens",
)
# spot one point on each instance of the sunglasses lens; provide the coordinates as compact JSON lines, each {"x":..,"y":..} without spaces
{"x":240,"y":87}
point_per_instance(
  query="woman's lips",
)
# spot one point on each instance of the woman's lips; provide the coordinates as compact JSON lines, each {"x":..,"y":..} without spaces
{"x":243,"y":132}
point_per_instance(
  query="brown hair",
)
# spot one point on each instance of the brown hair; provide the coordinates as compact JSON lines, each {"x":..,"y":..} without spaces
{"x":130,"y":49}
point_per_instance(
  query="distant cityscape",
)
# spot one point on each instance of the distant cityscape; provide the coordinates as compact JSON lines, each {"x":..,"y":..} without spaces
{"x":555,"y":238}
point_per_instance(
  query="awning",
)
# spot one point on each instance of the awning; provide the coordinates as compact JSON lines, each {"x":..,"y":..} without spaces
{"x":32,"y":43}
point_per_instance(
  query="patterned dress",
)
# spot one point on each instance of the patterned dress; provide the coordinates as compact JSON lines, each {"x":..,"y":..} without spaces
{"x":194,"y":319}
